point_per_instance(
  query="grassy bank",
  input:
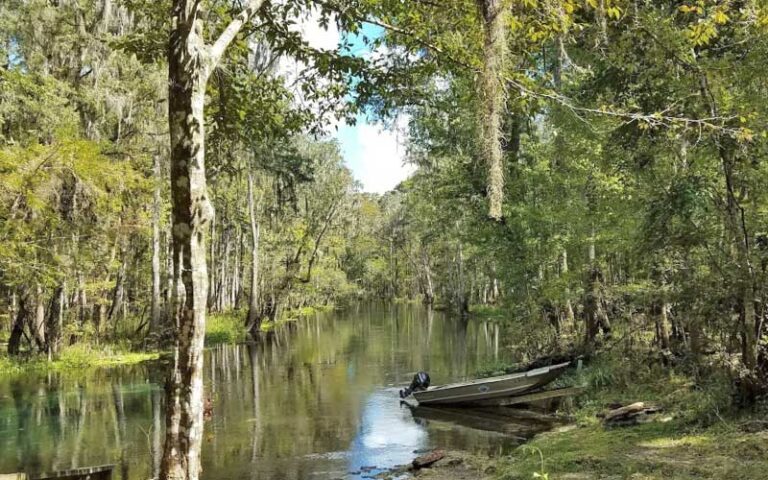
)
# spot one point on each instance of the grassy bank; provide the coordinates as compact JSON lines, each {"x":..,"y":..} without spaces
{"x":701,"y":432}
{"x":699,"y":435}
{"x":222,"y":328}
{"x":489,"y":312}
{"x":225,"y":328}
{"x":644,"y":452}
{"x":76,"y":357}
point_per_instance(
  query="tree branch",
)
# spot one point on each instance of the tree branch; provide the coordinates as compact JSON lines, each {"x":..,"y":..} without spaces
{"x":328,"y":219}
{"x":229,"y":33}
{"x":393,"y":28}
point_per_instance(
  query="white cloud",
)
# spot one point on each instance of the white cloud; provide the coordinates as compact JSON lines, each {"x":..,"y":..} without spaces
{"x":380,"y":156}
{"x":313,"y":33}
{"x":375,"y":155}
{"x":317,"y":37}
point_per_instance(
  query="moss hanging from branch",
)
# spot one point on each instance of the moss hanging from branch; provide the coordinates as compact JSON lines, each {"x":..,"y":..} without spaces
{"x":491,"y":92}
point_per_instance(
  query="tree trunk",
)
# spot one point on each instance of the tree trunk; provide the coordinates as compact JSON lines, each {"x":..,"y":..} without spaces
{"x":660,"y":309}
{"x":118,"y":295}
{"x":739,"y":239}
{"x":17,"y":330}
{"x":175,"y":285}
{"x":745,"y":275}
{"x":37,"y":327}
{"x":662,"y":323}
{"x":82,"y":299}
{"x":491,"y":89}
{"x":55,"y":321}
{"x":13,"y":308}
{"x":594,"y":312}
{"x":429,"y":292}
{"x":98,"y":316}
{"x":236,"y":271}
{"x":569,"y":317}
{"x":253,"y":300}
{"x":192,"y":211}
{"x":154,"y":322}
{"x":221,"y":290}
{"x":463,"y":301}
{"x":190,"y":62}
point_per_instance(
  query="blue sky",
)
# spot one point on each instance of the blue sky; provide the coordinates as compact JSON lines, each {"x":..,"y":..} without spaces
{"x":375,"y":155}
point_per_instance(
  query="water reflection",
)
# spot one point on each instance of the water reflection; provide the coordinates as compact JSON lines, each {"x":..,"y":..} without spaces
{"x":313,"y":400}
{"x":387,"y":435}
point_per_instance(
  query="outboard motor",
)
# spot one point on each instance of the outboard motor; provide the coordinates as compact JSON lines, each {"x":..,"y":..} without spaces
{"x":420,"y":382}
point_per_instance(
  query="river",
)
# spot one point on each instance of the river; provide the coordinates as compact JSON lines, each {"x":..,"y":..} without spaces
{"x":315,"y":400}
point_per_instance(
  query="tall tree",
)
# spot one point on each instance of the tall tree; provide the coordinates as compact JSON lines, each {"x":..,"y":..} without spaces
{"x":190,"y":63}
{"x":491,"y":86}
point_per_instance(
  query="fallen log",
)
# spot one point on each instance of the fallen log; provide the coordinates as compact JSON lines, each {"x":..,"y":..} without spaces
{"x":630,"y":414}
{"x":427,"y":460}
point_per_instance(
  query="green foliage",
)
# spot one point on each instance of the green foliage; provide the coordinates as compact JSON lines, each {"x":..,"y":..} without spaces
{"x":225,"y":328}
{"x":34,"y":108}
{"x":52,"y":193}
{"x":635,"y":180}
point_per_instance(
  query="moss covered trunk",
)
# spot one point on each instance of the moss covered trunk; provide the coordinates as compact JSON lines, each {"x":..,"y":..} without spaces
{"x":190,"y":62}
{"x":191,"y":213}
{"x":492,"y":100}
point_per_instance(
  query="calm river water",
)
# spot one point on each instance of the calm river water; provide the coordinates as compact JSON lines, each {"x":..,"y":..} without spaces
{"x":317,"y":400}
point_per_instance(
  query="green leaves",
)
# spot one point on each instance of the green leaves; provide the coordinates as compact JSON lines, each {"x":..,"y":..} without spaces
{"x":53,"y":195}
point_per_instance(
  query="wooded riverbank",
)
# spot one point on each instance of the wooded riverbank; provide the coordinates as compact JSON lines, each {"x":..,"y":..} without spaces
{"x":702,"y":431}
{"x":699,"y":434}
{"x":588,"y":175}
{"x":226,"y":328}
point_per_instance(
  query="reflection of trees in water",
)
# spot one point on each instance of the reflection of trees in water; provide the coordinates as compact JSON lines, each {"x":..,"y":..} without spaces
{"x":256,"y":436}
{"x":299,"y":391}
{"x":121,"y":439}
{"x":65,"y":421}
{"x":156,"y":448}
{"x":22,"y":402}
{"x":82,"y":410}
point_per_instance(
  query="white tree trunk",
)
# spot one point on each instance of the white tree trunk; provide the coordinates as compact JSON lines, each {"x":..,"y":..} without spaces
{"x":155,"y":314}
{"x":253,"y":301}
{"x":191,"y":214}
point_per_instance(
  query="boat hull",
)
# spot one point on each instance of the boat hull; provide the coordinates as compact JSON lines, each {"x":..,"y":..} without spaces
{"x":490,"y":388}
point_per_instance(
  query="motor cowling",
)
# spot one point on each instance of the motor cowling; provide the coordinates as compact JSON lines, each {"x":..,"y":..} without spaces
{"x":420,"y":382}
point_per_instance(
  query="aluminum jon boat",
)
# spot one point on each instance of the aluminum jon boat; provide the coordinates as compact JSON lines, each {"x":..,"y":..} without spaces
{"x":491,"y":387}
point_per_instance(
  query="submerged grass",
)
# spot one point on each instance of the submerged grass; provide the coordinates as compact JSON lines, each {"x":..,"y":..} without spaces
{"x":489,"y":312}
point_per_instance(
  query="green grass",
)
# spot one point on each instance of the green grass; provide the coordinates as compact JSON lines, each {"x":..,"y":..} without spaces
{"x":225,"y":328}
{"x":489,"y":312}
{"x":649,"y":451}
{"x":229,"y":327}
{"x":698,"y":435}
{"x":76,"y":357}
